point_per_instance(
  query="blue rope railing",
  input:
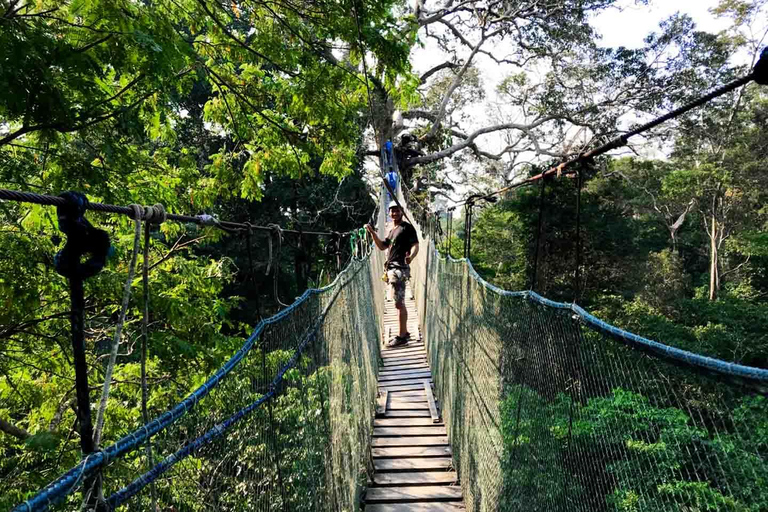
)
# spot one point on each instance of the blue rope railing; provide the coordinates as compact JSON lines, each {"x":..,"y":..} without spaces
{"x":63,"y":486}
{"x":124,"y":494}
{"x":748,"y":373}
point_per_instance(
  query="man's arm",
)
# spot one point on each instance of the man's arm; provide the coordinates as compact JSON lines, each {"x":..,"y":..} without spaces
{"x":412,"y":253}
{"x":378,"y":241}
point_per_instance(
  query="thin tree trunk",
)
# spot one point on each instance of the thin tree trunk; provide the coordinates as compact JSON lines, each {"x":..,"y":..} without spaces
{"x":713,"y":256}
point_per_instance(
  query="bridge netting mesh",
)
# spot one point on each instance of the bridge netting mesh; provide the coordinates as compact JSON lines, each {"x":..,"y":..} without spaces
{"x":550,"y":409}
{"x":547,"y":408}
{"x":285,"y":425}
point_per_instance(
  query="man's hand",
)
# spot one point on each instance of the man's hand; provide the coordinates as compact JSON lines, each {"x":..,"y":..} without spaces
{"x":370,"y":229}
{"x":410,"y":255}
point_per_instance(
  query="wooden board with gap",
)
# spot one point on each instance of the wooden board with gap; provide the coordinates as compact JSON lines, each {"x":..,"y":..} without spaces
{"x":381,"y":403}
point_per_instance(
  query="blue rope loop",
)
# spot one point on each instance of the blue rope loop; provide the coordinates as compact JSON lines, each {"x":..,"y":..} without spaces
{"x":760,"y":72}
{"x":82,"y":239}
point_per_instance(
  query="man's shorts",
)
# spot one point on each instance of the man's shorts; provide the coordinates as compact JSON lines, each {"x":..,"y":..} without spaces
{"x":397,"y":278}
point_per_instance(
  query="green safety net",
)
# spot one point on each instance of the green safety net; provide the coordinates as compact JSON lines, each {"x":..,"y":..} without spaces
{"x":285,"y":425}
{"x":548,"y":410}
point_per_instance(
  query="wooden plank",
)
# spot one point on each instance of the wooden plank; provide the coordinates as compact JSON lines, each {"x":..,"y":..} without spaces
{"x":412,"y":344}
{"x":412,"y":398}
{"x":410,"y":441}
{"x":412,"y":374}
{"x":415,"y":507}
{"x":419,"y":478}
{"x":408,"y":413}
{"x":402,"y":422}
{"x":413,"y":464}
{"x":417,"y":365}
{"x":385,"y":371}
{"x":399,"y":361}
{"x":381,"y":403}
{"x":389,"y":384}
{"x":408,"y":374}
{"x":431,"y":401}
{"x":408,"y":406}
{"x":403,"y":351}
{"x":419,"y":355}
{"x":402,"y":387}
{"x":406,"y":359}
{"x":407,"y":371}
{"x":411,"y":451}
{"x":409,"y":431}
{"x":414,"y":494}
{"x":404,"y":381}
{"x":408,"y":394}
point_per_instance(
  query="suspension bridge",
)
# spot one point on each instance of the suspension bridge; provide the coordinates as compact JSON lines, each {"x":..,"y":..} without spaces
{"x":504,"y":400}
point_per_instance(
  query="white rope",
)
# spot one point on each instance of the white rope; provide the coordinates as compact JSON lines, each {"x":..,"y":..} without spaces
{"x":139,"y":213}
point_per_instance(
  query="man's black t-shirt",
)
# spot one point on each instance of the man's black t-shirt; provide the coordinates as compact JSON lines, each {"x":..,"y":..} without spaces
{"x":400,"y":240}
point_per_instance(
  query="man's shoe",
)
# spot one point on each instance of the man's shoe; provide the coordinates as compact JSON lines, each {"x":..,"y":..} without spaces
{"x":397,"y":341}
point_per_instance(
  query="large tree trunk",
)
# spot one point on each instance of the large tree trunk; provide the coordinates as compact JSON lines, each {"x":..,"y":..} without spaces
{"x":714,"y":278}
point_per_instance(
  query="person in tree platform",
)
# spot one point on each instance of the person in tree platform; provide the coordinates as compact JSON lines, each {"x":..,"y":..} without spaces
{"x":403,"y":245}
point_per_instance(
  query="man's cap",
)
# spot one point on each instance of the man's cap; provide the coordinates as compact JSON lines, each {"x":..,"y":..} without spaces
{"x":393,"y":204}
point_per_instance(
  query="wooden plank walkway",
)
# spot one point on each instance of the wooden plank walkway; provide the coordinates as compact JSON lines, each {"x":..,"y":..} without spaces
{"x":410,"y":449}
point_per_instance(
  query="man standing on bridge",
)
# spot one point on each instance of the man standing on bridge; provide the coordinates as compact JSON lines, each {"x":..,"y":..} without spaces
{"x":403,"y":245}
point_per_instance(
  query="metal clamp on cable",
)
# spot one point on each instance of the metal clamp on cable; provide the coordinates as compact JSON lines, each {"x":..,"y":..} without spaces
{"x":208,"y":220}
{"x":82,"y":239}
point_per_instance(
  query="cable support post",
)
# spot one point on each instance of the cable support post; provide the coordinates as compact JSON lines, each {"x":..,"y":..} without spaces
{"x":535,"y":273}
{"x":82,"y":239}
{"x":577,"y":277}
{"x":468,"y":229}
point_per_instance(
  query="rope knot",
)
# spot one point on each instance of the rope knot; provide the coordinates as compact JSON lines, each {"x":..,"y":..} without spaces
{"x":138,"y":211}
{"x":155,"y":214}
{"x":277,"y":230}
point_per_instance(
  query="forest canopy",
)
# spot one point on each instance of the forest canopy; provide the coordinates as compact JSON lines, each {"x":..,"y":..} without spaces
{"x":275,"y":113}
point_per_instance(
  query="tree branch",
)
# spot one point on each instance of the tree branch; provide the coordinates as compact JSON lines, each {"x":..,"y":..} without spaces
{"x":420,"y":114}
{"x":95,"y":43}
{"x":13,"y":430}
{"x":238,"y":41}
{"x":470,"y":139}
{"x":445,"y":65}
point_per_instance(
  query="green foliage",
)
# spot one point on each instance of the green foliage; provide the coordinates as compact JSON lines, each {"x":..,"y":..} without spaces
{"x":646,"y":457}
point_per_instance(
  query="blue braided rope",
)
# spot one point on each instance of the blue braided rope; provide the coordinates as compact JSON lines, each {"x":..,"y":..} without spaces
{"x":60,"y":488}
{"x":750,"y":373}
{"x":476,"y":276}
{"x":127,"y":492}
